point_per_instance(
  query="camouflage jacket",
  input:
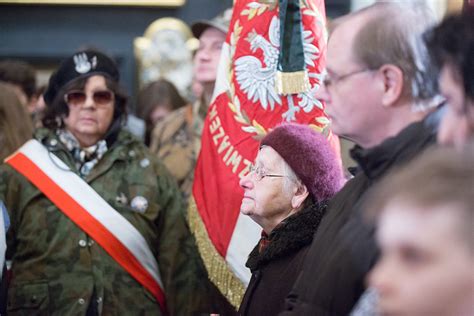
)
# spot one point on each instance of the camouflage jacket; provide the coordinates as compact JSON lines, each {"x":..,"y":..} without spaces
{"x":176,"y":141}
{"x":57,"y":269}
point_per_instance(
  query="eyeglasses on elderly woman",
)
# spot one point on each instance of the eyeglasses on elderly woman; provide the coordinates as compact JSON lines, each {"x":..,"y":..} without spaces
{"x":261,"y":173}
{"x":77,"y":97}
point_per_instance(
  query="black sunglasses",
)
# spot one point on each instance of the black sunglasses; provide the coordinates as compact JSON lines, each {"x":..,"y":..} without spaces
{"x":101,"y":97}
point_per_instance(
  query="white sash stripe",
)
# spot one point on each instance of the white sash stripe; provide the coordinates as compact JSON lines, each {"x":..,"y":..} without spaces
{"x":91,"y":201}
{"x":244,"y":238}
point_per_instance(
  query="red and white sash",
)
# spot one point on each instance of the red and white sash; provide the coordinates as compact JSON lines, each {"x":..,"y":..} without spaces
{"x":88,"y":210}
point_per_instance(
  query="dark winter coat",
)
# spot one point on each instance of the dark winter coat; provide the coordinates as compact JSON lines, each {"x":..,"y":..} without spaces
{"x":344,"y":249}
{"x":275,"y":269}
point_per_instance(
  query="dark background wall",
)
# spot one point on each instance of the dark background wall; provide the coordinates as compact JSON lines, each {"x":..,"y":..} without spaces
{"x":45,"y":34}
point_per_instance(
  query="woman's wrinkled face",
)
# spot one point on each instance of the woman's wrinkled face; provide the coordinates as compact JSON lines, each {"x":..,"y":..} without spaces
{"x":91,"y":111}
{"x":266,"y":200}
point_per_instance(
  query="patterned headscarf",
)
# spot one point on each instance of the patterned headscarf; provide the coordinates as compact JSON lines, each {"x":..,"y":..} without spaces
{"x":85,"y":158}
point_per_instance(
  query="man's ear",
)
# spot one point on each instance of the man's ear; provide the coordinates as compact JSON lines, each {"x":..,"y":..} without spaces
{"x":300,"y":195}
{"x":393,"y":84}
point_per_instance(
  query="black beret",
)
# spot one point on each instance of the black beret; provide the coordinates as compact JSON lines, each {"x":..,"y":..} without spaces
{"x":80,"y":65}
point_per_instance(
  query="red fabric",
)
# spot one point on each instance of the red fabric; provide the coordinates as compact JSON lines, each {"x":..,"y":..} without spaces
{"x":87,"y":223}
{"x":264,"y":242}
{"x":225,"y":136}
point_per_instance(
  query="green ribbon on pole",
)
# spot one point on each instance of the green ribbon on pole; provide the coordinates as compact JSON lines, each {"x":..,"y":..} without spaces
{"x":292,"y":76}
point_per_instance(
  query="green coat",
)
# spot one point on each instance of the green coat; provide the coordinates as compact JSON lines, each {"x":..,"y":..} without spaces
{"x":56,"y":266}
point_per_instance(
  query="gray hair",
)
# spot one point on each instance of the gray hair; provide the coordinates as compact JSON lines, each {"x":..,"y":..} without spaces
{"x":393,"y":35}
{"x":290,"y":178}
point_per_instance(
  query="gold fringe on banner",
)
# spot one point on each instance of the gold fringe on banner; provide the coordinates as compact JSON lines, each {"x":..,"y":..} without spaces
{"x":219,"y":272}
{"x":292,"y":82}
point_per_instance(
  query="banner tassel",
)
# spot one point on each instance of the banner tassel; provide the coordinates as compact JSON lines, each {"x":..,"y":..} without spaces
{"x":292,"y":82}
{"x":291,"y":76}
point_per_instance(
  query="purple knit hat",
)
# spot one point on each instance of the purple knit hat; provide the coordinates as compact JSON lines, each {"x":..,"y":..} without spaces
{"x":310,"y":156}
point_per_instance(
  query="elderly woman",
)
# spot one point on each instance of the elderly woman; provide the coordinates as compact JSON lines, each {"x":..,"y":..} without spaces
{"x":96,"y":223}
{"x":295,"y":173}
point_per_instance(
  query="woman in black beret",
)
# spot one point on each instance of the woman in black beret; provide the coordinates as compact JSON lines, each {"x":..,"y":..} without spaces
{"x":97,"y":224}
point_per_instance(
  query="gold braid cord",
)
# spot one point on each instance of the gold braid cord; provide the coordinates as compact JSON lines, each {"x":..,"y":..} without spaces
{"x":292,"y":82}
{"x":217,"y":268}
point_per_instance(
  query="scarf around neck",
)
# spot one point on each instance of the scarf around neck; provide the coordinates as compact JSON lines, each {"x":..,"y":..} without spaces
{"x":85,"y":158}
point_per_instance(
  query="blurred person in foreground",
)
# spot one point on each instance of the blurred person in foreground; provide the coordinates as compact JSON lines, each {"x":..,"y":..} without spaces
{"x":97,"y":224}
{"x":155,"y":101}
{"x":379,"y":92}
{"x":424,"y":214}
{"x":177,"y":139}
{"x":285,"y":192}
{"x":452,"y":46}
{"x":15,"y":124}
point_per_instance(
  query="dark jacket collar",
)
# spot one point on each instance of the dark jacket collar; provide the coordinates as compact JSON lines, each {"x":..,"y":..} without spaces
{"x":291,"y":235}
{"x":402,"y":147}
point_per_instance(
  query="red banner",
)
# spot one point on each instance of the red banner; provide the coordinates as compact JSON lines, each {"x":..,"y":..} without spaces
{"x":246,"y":105}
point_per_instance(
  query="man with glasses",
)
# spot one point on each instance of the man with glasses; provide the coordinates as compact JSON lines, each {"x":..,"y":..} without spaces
{"x":378,"y":91}
{"x":285,"y":192}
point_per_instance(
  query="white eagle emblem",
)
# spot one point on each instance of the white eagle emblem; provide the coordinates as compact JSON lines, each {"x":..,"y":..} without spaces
{"x":257,"y":79}
{"x":83,"y":65}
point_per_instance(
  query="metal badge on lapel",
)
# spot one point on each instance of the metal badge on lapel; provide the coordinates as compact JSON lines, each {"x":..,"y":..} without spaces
{"x":121,"y":199}
{"x":139,"y":204}
{"x":144,"y":162}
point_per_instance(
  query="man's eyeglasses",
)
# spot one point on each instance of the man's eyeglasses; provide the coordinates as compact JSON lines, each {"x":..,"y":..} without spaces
{"x":261,"y":173}
{"x":328,"y":81}
{"x":101,"y":98}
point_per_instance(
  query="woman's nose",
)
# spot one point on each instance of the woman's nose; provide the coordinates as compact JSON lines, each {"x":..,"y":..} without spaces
{"x":89,"y":101}
{"x":246,"y":181}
